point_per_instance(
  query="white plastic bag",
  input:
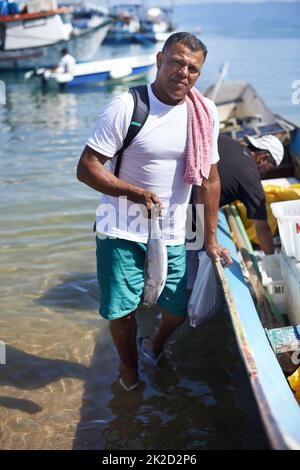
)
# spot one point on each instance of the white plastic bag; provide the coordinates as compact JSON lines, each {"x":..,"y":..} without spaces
{"x":205,"y":297}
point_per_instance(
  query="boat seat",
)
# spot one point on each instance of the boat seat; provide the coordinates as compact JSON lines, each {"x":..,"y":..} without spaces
{"x":239,"y":133}
{"x":271,"y":129}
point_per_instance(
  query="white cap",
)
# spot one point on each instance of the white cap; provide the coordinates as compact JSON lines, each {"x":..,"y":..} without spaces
{"x":270,"y":143}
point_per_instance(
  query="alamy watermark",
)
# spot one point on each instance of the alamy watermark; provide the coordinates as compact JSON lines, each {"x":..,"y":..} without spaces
{"x":296,"y":93}
{"x":177,"y":221}
{"x":2,"y":92}
{"x":2,"y":353}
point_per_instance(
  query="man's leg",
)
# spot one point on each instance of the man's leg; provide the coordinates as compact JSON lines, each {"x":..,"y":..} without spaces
{"x":174,"y":298}
{"x":168,"y":324}
{"x":123,"y":331}
{"x":120,"y":270}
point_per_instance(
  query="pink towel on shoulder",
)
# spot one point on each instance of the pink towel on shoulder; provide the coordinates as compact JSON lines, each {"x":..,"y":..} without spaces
{"x":200,"y":139}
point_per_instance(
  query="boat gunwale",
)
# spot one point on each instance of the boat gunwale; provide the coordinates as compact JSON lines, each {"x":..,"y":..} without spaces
{"x":32,"y":16}
{"x":255,"y":365}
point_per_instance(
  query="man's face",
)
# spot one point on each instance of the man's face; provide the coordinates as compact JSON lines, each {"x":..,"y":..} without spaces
{"x":264,"y":162}
{"x":177,"y":71}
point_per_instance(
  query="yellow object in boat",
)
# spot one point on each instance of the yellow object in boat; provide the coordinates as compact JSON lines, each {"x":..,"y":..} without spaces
{"x":273,"y":194}
{"x":294,"y":381}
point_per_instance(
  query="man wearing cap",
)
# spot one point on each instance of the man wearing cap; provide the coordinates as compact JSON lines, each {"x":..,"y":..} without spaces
{"x":241,"y":168}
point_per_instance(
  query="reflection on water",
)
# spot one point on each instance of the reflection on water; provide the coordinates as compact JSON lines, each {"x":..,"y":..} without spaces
{"x":76,"y":292}
{"x":189,"y":402}
{"x":59,"y":388}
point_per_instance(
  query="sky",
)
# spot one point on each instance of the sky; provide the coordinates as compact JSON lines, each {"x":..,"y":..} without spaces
{"x":231,"y":1}
{"x":182,"y":2}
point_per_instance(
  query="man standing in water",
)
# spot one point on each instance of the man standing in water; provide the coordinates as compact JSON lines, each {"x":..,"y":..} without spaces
{"x":157,"y":168}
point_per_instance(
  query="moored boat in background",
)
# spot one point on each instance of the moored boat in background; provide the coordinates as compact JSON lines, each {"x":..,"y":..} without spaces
{"x":126,"y":24}
{"x":35,"y":37}
{"x":158,"y":24}
{"x":98,"y":72}
{"x":242,"y":112}
{"x":135,"y":24}
{"x":85,"y":15}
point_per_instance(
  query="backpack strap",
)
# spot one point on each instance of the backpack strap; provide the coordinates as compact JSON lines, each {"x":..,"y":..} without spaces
{"x":138,"y":119}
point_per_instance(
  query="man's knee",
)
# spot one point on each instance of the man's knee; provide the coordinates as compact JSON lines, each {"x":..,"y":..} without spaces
{"x":179,"y":320}
{"x":123,"y":320}
{"x":174,"y":319}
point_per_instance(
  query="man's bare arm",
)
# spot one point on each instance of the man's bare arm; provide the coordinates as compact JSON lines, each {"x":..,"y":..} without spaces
{"x":209,"y":195}
{"x":211,"y":189}
{"x":92,"y":172}
{"x":264,"y":236}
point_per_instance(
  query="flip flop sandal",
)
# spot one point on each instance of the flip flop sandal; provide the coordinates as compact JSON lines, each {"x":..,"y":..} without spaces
{"x":128,"y":389}
{"x":150,"y":357}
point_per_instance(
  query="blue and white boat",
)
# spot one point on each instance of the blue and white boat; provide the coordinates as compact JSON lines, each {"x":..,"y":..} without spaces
{"x":158,"y":24}
{"x":98,"y":72}
{"x":268,"y":339}
{"x":85,"y":15}
{"x":279,"y":410}
{"x":134,"y":24}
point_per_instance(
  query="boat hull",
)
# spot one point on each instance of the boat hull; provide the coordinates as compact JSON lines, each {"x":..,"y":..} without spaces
{"x":84,"y":46}
{"x":105,"y":77}
{"x":100,"y":72}
{"x":136,"y":37}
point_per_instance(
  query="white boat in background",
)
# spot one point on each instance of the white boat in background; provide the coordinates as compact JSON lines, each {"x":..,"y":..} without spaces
{"x":135,"y":24}
{"x":35,"y":37}
{"x":126,"y":24}
{"x":85,"y":15}
{"x":97,"y":72}
{"x":158,"y":24}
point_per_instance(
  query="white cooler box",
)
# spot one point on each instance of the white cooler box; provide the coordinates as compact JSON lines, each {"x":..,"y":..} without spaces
{"x":274,"y":281}
{"x":290,"y":269}
{"x":288,"y":218}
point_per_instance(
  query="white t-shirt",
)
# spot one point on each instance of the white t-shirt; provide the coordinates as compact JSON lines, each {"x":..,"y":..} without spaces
{"x":154,"y":161}
{"x":67,"y":63}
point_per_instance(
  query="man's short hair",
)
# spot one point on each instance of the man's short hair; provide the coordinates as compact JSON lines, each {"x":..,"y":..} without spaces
{"x":64,"y":51}
{"x":189,"y":40}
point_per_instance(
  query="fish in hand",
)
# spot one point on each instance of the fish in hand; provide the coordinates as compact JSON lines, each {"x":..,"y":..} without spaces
{"x":156,"y":263}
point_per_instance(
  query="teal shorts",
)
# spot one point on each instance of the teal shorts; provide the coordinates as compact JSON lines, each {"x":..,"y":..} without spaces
{"x":120,"y":271}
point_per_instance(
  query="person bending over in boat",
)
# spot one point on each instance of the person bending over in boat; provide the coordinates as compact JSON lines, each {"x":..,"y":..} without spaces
{"x":241,"y":168}
{"x":159,"y":167}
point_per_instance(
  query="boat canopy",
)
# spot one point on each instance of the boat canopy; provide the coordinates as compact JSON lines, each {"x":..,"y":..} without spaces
{"x":242,"y":112}
{"x":239,"y":100}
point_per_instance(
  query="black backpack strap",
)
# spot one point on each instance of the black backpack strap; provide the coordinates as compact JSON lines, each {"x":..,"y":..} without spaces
{"x":138,"y":119}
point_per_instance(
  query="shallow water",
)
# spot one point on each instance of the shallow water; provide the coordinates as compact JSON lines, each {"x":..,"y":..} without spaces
{"x":59,"y":387}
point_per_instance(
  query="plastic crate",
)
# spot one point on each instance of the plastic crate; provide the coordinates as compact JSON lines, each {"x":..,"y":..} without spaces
{"x":290,"y":269}
{"x":288,"y":218}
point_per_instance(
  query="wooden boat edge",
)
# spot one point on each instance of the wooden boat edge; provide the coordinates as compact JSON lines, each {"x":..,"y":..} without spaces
{"x":278,"y":408}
